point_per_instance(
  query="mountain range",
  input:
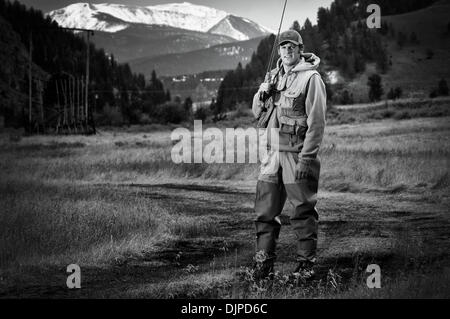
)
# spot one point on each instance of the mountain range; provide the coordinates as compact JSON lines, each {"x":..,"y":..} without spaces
{"x":156,"y":37}
{"x":219,"y":57}
{"x":116,"y":17}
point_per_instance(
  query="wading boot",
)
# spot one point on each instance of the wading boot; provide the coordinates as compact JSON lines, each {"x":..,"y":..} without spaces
{"x":305,"y":270}
{"x":263,"y":266}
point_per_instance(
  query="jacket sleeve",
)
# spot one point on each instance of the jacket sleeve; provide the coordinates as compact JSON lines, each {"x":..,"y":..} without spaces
{"x":316,"y":106}
{"x":257,"y":105}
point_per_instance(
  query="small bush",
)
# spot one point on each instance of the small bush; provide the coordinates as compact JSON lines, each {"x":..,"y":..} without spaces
{"x":442,"y":88}
{"x":402,"y":115}
{"x":170,"y":112}
{"x":346,"y":98}
{"x":387,"y":114}
{"x":15,"y":137}
{"x":111,"y":116}
{"x":394,"y":94}
{"x":201,"y":114}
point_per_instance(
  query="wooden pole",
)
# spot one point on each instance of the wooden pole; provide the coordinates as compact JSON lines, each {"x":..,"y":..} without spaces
{"x":82,"y":99}
{"x":65,"y":102}
{"x":77,"y":100}
{"x":79,"y":94}
{"x":87,"y":77}
{"x":30,"y":79}
{"x":41,"y":102}
{"x":58,"y":124}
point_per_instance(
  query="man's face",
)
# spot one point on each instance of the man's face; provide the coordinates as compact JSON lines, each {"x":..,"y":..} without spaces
{"x":290,"y":53}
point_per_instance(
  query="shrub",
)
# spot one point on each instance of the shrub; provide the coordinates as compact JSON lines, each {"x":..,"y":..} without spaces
{"x":170,"y":112}
{"x":201,"y":114}
{"x":111,"y":116}
{"x":394,"y":94}
{"x":346,"y":98}
{"x":391,"y":94}
{"x":442,"y":88}
{"x":402,"y":115}
{"x":241,"y":110}
{"x":387,"y":114}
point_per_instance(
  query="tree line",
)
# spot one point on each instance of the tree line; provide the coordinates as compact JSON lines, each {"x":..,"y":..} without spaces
{"x":341,"y":38}
{"x":116,"y":93}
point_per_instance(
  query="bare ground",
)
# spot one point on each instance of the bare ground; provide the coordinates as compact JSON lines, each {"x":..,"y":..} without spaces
{"x":403,"y":232}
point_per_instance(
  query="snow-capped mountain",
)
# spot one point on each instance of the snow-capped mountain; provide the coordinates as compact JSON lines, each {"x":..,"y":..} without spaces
{"x":117,"y":17}
{"x":238,"y":28}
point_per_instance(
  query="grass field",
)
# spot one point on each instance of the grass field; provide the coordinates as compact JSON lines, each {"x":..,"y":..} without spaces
{"x":141,"y":226}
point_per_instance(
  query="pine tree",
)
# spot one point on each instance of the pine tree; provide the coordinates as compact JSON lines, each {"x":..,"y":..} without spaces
{"x":401,"y":39}
{"x":391,"y":94}
{"x":413,"y":38}
{"x":391,"y":30}
{"x":187,"y":105}
{"x":296,"y":26}
{"x":398,"y":92}
{"x":442,"y":88}
{"x":375,"y":87}
{"x":307,"y":25}
{"x":382,"y":60}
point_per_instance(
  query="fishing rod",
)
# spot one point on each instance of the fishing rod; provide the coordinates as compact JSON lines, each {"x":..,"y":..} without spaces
{"x":272,"y":55}
{"x":264,"y":116}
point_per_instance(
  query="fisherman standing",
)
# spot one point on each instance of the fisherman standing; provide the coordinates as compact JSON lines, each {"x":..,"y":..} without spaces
{"x":292,"y":101}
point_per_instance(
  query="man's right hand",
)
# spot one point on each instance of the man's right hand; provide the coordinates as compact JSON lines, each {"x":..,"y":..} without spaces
{"x":266,"y":87}
{"x":265,"y":90}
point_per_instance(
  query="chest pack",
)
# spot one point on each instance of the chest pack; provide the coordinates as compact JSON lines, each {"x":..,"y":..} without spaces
{"x":292,"y":115}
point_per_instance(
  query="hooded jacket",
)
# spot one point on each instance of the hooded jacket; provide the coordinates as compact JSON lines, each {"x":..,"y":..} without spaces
{"x":299,"y":115}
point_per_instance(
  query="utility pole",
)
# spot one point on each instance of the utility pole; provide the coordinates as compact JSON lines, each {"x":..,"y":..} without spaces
{"x":89,"y":32}
{"x":30,"y":79}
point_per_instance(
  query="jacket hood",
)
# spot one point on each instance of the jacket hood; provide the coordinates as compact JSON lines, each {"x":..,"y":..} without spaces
{"x":308,"y":61}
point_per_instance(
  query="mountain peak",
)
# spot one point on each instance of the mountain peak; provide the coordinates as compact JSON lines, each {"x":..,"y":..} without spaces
{"x":185,"y":15}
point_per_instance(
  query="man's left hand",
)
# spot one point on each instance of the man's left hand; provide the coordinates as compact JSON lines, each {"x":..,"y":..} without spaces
{"x":302,"y":169}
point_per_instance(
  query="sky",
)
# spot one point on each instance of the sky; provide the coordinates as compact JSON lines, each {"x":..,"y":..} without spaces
{"x":264,"y":12}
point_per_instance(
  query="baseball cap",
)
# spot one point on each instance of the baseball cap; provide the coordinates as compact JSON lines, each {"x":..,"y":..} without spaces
{"x":290,"y":36}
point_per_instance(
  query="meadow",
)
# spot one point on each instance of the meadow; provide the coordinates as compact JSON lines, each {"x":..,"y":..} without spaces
{"x":140,"y":225}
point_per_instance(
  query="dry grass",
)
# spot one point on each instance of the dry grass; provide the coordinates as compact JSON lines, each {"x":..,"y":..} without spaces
{"x":60,"y":224}
{"x":58,"y":205}
{"x":359,"y":156}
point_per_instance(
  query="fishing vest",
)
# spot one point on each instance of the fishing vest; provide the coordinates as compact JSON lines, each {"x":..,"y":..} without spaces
{"x":290,"y":101}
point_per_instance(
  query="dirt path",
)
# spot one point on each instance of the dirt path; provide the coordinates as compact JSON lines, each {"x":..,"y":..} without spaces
{"x":393,"y":230}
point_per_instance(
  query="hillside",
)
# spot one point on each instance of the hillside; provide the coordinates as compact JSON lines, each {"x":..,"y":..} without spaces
{"x":141,"y":40}
{"x":410,"y":51}
{"x":59,"y":62}
{"x":416,"y":67}
{"x":219,"y":57}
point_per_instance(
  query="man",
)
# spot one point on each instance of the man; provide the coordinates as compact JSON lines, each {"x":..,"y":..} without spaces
{"x":291,"y":169}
